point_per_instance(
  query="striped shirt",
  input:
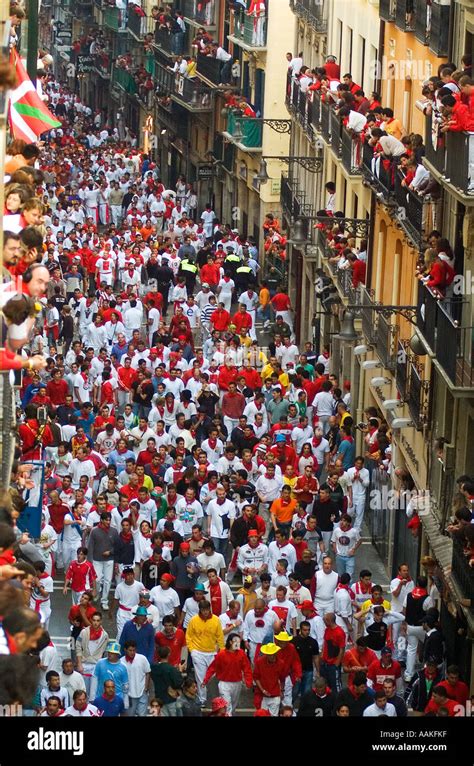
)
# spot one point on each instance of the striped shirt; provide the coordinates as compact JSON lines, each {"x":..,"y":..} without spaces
{"x":207,"y":312}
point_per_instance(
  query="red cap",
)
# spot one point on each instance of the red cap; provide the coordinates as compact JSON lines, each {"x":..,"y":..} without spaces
{"x":167,"y":577}
{"x":184,"y":547}
{"x":305,"y":605}
{"x":262,"y":713}
{"x":218,"y":703}
{"x":253,"y":533}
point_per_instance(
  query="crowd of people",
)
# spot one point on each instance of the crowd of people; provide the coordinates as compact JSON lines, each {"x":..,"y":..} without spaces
{"x":203,"y":501}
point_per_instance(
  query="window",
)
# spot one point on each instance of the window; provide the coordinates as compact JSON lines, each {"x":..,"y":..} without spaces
{"x":259,"y":91}
{"x":361,"y":79}
{"x":350,"y":43}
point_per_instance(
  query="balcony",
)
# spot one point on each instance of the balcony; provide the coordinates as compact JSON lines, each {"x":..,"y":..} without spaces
{"x":325,"y":124}
{"x":411,"y":211}
{"x":385,"y":341}
{"x":462,"y":572}
{"x":249,"y":33}
{"x":401,"y":370}
{"x":450,"y":157}
{"x":139,"y":25}
{"x":439,"y":33}
{"x":164,"y":79}
{"x":313,"y":12}
{"x":416,"y":393}
{"x":125,"y":80}
{"x":388,"y":10}
{"x":200,"y":14}
{"x":380,"y":174}
{"x":192,"y":94}
{"x":115,"y":19}
{"x":103,"y":65}
{"x":367,"y":313}
{"x":404,"y":20}
{"x":251,"y":129}
{"x":446,"y":327}
{"x":209,"y":68}
{"x":422,"y":21}
{"x":166,"y":41}
{"x":351,"y":152}
{"x":293,"y":200}
{"x":335,"y":127}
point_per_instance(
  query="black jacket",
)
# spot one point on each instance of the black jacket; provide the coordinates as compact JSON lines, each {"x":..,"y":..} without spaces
{"x":356,"y":705}
{"x":417,"y":694}
{"x":433,"y":648}
{"x":312,"y":705}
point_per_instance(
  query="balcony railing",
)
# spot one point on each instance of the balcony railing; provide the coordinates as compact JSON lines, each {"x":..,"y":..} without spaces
{"x":115,"y":19}
{"x":164,"y":79}
{"x":380,"y":173}
{"x":166,"y":41}
{"x":313,"y":12}
{"x":411,"y":210}
{"x":138,"y":24}
{"x":404,"y":19}
{"x":422,"y":21}
{"x":367,"y":313}
{"x":439,"y":33}
{"x":401,"y":370}
{"x":459,"y":161}
{"x":250,"y":127}
{"x":7,"y":428}
{"x":415,"y":393}
{"x":335,"y":128}
{"x":250,"y":32}
{"x":325,"y":120}
{"x":210,"y":68}
{"x":203,"y":14}
{"x":388,"y":10}
{"x":103,"y":65}
{"x":351,"y":152}
{"x":293,"y":200}
{"x":124,"y":80}
{"x":385,"y":341}
{"x":435,"y":146}
{"x":462,"y":572}
{"x":446,"y":325}
{"x":192,"y":93}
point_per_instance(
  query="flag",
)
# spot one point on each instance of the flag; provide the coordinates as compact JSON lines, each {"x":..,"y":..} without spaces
{"x":29,"y":117}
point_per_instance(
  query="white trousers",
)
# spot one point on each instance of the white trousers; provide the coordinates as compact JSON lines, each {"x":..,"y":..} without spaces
{"x":288,"y":692}
{"x":122,"y":617}
{"x":252,"y":332}
{"x":116,"y":214}
{"x":230,"y":424}
{"x":226,"y":299}
{"x":415,"y":633}
{"x":70,"y":553}
{"x":201,"y":662}
{"x":272,"y":704}
{"x":323,"y":607}
{"x":105,"y":572}
{"x":358,"y":509}
{"x":230,"y":690}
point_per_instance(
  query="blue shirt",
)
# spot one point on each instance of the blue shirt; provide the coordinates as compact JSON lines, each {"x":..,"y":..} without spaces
{"x":118,"y":459}
{"x":144,"y":638}
{"x":348,"y":450}
{"x":110,"y":708}
{"x":111,"y":671}
{"x":84,"y":422}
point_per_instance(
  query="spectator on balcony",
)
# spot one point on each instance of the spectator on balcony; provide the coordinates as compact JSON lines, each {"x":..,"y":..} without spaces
{"x":304,"y":79}
{"x":440,"y":277}
{"x":332,"y":69}
{"x":430,"y":253}
{"x":374,"y":100}
{"x":352,"y":120}
{"x":457,"y":117}
{"x":362,"y":103}
{"x":446,"y":77}
{"x":466,"y":63}
{"x":225,"y":59}
{"x":246,"y":109}
{"x":359,"y":269}
{"x":391,"y":125}
{"x":294,"y":63}
{"x":353,"y":87}
{"x":331,"y":198}
{"x":466,"y":85}
{"x":386,"y":148}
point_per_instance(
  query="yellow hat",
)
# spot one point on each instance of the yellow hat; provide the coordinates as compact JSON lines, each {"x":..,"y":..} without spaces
{"x":269,"y":649}
{"x":283,"y":636}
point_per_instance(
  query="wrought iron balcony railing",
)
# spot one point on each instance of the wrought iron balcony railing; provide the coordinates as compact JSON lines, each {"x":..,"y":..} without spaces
{"x":388,"y":10}
{"x":203,"y":14}
{"x":462,"y":572}
{"x":405,"y":15}
{"x":249,"y":32}
{"x":439,"y":28}
{"x":138,"y":24}
{"x":314,"y":12}
{"x":209,"y":68}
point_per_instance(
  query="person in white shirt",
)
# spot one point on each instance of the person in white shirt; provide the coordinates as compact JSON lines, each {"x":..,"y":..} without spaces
{"x":209,"y":559}
{"x":82,"y":466}
{"x":54,"y":689}
{"x":301,"y":434}
{"x":189,"y":512}
{"x":81,"y":708}
{"x":285,"y":610}
{"x":326,"y":584}
{"x":345,"y":540}
{"x":165,"y":598}
{"x":126,"y":596}
{"x":138,"y":671}
{"x":287,"y":354}
{"x":253,"y":557}
{"x":280,"y":548}
{"x":208,"y":215}
{"x":359,"y":480}
{"x":70,"y":679}
{"x":258,"y":626}
{"x":323,"y":406}
{"x":221,"y":513}
{"x":343,"y":605}
{"x":380,"y":707}
{"x":400,"y":586}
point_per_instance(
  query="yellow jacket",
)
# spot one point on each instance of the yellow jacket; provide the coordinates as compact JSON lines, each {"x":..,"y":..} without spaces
{"x":204,"y":635}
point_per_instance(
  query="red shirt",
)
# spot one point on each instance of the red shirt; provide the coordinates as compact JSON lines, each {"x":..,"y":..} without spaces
{"x":252,"y":378}
{"x":352,"y":659}
{"x":175,"y":643}
{"x":334,"y":641}
{"x":56,"y":516}
{"x":242,"y":321}
{"x":210,"y":273}
{"x":220,"y":320}
{"x":459,"y":692}
{"x":377,"y":673}
{"x":270,"y":675}
{"x":230,"y":667}
{"x":450,"y":705}
{"x":81,"y":575}
{"x":233,"y":405}
{"x":75,"y":612}
{"x":281,"y":302}
{"x":358,"y":273}
{"x":57,"y":391}
{"x":126,"y":376}
{"x":227,"y":375}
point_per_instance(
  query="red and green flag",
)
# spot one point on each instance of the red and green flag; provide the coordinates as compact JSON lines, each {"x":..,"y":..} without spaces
{"x":29,"y":117}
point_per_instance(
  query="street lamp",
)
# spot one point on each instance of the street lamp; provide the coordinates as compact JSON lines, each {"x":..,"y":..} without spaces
{"x":298,"y":236}
{"x":262,"y":175}
{"x":348,"y":332}
{"x":237,"y":132}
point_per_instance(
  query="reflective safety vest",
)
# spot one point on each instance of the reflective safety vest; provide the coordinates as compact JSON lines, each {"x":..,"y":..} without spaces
{"x":232,"y":259}
{"x":188,"y":266}
{"x":244,"y":270}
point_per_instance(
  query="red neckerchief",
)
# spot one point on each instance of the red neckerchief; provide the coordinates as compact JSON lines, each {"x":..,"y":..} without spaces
{"x":101,"y":525}
{"x":212,"y":443}
{"x":340,"y":586}
{"x":221,"y":501}
{"x":126,"y":536}
{"x":94,"y":635}
{"x":419,"y":593}
{"x":129,"y":659}
{"x":363,"y":587}
{"x":43,"y":576}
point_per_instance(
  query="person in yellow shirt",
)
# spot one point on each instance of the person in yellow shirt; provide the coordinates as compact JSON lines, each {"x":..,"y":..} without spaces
{"x":204,"y":638}
{"x":390,"y":125}
{"x":290,"y":479}
{"x":265,"y":305}
{"x":376,"y":600}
